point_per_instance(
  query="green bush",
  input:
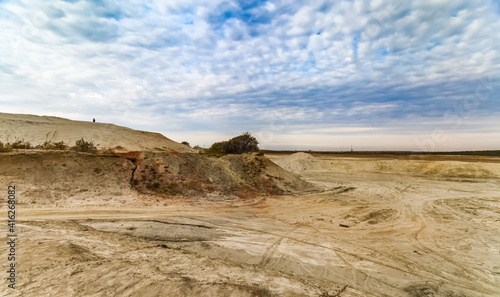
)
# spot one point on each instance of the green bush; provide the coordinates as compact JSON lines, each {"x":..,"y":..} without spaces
{"x":85,"y":146}
{"x":217,"y":148}
{"x":185,"y":143}
{"x":245,"y":143}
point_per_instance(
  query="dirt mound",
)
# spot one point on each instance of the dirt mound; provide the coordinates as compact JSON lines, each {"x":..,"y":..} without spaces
{"x":60,"y":178}
{"x":300,"y":162}
{"x":194,"y":175}
{"x":38,"y":129}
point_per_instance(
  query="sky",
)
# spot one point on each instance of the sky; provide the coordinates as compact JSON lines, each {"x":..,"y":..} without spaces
{"x":298,"y":75}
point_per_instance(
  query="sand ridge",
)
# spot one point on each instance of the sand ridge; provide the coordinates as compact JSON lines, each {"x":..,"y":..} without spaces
{"x":38,"y":129}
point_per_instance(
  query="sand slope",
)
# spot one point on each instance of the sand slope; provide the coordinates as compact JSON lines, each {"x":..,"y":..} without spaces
{"x":38,"y":129}
{"x":71,"y":179}
{"x":300,"y":162}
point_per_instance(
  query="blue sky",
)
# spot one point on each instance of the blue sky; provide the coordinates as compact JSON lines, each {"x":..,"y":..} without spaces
{"x":325,"y":75}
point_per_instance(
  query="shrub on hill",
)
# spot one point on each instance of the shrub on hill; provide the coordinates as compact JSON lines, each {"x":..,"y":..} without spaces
{"x":245,"y":143}
{"x":20,"y":144}
{"x":85,"y":146}
{"x":217,"y":148}
{"x":49,"y":145}
{"x":4,"y":147}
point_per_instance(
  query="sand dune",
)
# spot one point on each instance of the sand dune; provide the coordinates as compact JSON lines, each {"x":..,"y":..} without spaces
{"x":38,"y":129}
{"x":300,"y":162}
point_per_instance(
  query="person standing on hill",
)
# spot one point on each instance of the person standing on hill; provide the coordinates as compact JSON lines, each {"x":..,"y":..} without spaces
{"x":93,"y":120}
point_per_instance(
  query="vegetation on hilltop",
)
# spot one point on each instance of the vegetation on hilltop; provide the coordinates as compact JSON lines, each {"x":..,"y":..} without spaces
{"x":85,"y":146}
{"x":20,"y":144}
{"x":4,"y":147}
{"x":244,"y":143}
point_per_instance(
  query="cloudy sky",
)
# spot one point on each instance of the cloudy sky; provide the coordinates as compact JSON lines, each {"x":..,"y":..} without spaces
{"x":325,"y":75}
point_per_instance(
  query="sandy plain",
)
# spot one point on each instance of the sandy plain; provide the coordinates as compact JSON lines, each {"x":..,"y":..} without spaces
{"x":382,"y":226}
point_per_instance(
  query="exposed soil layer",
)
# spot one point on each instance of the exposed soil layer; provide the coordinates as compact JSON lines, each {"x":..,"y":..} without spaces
{"x":58,"y":178}
{"x":194,"y":175}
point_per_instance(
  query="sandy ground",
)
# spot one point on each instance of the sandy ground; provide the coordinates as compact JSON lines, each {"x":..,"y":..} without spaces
{"x":382,"y":227}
